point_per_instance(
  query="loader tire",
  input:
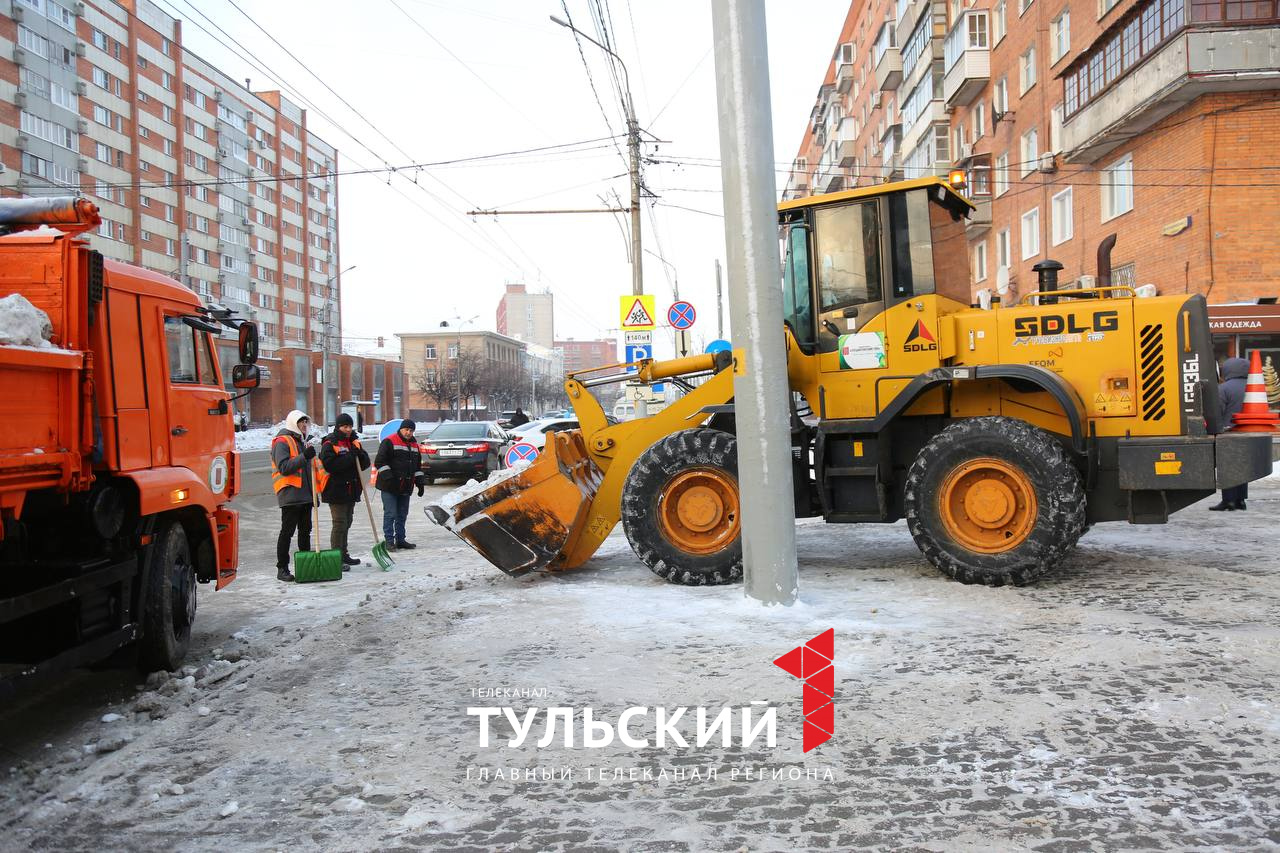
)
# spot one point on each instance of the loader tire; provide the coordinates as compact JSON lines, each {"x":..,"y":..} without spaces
{"x":169,"y":601}
{"x":994,"y":501}
{"x":681,"y":511}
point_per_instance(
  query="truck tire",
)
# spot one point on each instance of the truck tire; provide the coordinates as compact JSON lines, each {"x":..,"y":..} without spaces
{"x":169,"y":601}
{"x":995,"y":501}
{"x":680,"y":508}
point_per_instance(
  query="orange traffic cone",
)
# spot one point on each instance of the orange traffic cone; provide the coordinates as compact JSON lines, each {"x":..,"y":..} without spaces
{"x":1255,"y":416}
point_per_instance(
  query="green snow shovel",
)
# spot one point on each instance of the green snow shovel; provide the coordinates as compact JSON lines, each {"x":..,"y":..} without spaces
{"x":309,"y":566}
{"x":380,"y":555}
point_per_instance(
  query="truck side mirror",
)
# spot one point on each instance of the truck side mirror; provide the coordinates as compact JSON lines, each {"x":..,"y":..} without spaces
{"x":248,"y":345}
{"x":246,"y":375}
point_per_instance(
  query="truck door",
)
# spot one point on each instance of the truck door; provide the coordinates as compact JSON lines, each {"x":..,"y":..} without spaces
{"x":199,"y":417}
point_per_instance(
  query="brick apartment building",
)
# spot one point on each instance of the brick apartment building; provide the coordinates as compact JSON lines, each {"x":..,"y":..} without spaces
{"x":582,"y":355}
{"x":1155,"y":120}
{"x":527,"y":316}
{"x":196,"y":176}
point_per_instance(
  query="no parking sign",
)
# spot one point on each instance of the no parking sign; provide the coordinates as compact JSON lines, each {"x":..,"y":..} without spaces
{"x":521,"y":451}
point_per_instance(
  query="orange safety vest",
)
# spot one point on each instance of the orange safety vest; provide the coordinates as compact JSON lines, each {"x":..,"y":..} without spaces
{"x":322,"y":476}
{"x":278,"y":480}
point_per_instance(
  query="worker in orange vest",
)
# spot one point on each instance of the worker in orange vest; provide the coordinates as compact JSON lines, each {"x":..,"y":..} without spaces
{"x":291,"y":478}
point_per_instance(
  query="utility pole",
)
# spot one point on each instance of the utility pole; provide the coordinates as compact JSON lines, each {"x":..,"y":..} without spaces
{"x":633,"y":150}
{"x":755,"y":300}
{"x":719,"y":304}
{"x":325,"y":321}
{"x":444,"y":324}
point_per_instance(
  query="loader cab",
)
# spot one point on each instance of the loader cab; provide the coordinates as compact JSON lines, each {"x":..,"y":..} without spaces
{"x":848,"y":257}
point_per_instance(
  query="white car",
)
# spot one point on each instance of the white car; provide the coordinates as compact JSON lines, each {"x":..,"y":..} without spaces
{"x":535,"y":432}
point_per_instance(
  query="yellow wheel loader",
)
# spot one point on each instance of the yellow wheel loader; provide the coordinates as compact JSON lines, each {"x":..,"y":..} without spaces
{"x":999,"y":435}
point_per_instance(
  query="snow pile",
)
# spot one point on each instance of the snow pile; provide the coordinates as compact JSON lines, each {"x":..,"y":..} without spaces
{"x":41,"y":231}
{"x":255,"y":439}
{"x":23,"y":324}
{"x":472,"y":488}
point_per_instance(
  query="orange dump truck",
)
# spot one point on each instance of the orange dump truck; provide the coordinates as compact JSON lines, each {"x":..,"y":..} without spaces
{"x":117,"y":452}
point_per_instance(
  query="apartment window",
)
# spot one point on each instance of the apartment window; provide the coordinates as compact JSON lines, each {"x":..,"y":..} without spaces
{"x":430,"y":352}
{"x":1030,"y":152}
{"x":168,"y":147}
{"x":1063,"y":228}
{"x":1000,"y":97}
{"x":1002,"y":173}
{"x":144,"y":166}
{"x":145,"y":201}
{"x":49,"y":131}
{"x":142,"y":97}
{"x":453,"y":351}
{"x":999,"y":22}
{"x":978,"y":116}
{"x":146,"y":235}
{"x":144,"y":132}
{"x":99,"y":40}
{"x":1023,"y":6}
{"x":980,"y":261}
{"x":1117,"y":188}
{"x":166,"y":80}
{"x":1027,"y":70}
{"x":1031,"y":233}
{"x":1059,"y":36}
{"x":142,"y":62}
{"x":31,"y":41}
{"x":1004,"y":258}
{"x":170,"y":247}
{"x":165,"y":47}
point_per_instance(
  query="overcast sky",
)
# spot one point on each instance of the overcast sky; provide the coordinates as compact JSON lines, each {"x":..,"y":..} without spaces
{"x":434,"y":80}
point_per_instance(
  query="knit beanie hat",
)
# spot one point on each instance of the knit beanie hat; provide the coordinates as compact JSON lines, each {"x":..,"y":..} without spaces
{"x":344,"y":420}
{"x":409,"y":425}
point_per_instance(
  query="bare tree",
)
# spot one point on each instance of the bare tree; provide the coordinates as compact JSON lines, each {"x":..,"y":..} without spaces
{"x":436,"y":385}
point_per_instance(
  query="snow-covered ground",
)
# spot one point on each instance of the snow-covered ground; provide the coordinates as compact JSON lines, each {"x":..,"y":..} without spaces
{"x":1127,"y":701}
{"x":259,"y":438}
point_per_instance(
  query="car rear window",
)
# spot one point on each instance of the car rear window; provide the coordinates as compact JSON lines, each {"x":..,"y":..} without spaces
{"x":468,"y":430}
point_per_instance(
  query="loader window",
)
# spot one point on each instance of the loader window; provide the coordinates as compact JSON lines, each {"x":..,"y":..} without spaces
{"x":848,"y":255}
{"x":797,"y":306}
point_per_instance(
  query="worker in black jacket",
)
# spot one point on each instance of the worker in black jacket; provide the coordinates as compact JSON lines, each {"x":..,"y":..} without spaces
{"x":342,"y":459}
{"x":399,"y":469}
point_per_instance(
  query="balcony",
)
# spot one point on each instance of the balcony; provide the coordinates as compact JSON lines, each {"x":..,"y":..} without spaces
{"x":1152,"y":62}
{"x":846,"y":138}
{"x":844,"y":77}
{"x":909,"y":13}
{"x":889,"y":70}
{"x":967,"y":59}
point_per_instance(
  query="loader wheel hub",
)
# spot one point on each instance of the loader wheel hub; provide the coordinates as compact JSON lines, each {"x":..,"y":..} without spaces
{"x":988,"y":505}
{"x":699,"y":510}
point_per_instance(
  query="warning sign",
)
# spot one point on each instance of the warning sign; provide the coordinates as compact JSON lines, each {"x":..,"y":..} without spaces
{"x":863,"y":351}
{"x":636,"y":312}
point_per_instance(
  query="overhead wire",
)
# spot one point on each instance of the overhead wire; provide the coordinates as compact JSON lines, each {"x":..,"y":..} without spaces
{"x":296,"y":93}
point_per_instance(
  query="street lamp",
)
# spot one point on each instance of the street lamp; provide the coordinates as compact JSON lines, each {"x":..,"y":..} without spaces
{"x":324,"y":347}
{"x":444,"y":324}
{"x":633,"y":149}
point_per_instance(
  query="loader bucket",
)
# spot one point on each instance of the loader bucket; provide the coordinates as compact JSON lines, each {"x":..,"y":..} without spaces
{"x":528,"y":518}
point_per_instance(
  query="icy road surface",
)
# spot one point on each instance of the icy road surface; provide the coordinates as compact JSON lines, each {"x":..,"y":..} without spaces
{"x":1128,"y":701}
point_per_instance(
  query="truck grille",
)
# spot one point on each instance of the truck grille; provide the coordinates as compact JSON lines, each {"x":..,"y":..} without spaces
{"x":1151,"y":355}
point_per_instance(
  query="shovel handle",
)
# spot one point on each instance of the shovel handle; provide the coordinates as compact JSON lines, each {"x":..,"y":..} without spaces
{"x":368,"y":506}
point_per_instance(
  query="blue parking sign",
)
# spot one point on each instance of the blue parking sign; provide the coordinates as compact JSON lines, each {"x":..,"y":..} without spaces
{"x":636,"y":352}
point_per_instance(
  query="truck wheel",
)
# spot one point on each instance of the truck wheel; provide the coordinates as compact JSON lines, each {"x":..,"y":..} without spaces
{"x":994,"y":501}
{"x":169,"y":601}
{"x":680,"y":508}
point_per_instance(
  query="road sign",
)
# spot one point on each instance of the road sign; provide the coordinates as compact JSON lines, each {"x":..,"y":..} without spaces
{"x":681,"y":315}
{"x":521,"y":451}
{"x":637,"y":337}
{"x":635,"y":352}
{"x":718,"y":345}
{"x":636,"y":312}
{"x":683,"y":344}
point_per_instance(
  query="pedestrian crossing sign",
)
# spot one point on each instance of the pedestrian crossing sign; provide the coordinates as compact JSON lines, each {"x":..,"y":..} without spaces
{"x":636,"y":312}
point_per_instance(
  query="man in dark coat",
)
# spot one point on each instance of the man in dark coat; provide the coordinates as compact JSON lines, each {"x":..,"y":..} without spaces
{"x":343,"y":459}
{"x":519,"y":418}
{"x":1235,"y":372}
{"x":399,"y":469}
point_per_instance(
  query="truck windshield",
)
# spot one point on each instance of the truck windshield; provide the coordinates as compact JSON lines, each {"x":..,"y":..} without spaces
{"x":797,"y":306}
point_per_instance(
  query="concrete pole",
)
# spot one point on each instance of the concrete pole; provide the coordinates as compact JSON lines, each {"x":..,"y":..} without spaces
{"x":755,"y":299}
{"x":719,"y":304}
{"x":633,"y":147}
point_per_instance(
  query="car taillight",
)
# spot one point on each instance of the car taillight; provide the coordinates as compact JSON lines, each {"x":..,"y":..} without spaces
{"x":431,"y":451}
{"x":478,"y":448}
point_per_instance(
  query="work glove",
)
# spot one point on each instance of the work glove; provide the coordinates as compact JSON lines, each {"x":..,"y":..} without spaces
{"x":309,"y":452}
